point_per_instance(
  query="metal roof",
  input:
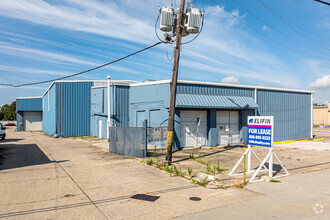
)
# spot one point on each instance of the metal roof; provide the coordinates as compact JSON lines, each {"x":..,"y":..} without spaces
{"x":222,"y":84}
{"x":215,"y":101}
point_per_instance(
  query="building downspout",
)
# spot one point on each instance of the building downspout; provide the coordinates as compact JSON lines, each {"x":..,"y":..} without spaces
{"x":108,"y":121}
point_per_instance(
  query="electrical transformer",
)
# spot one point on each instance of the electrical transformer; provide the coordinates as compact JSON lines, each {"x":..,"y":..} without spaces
{"x":166,"y":19}
{"x":193,"y":20}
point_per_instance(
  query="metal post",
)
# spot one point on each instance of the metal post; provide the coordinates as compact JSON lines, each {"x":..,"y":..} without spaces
{"x":145,"y":126}
{"x":249,"y":159}
{"x":270,"y":162}
{"x":108,"y":121}
{"x":170,"y":128}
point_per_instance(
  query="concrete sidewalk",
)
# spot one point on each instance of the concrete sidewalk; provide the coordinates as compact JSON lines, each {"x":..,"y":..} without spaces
{"x":303,"y":196}
{"x":43,"y":177}
{"x":47,"y":178}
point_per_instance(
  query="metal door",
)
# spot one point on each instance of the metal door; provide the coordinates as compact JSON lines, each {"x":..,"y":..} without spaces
{"x":228,"y":127}
{"x":32,"y":121}
{"x":193,"y":128}
{"x":140,"y":117}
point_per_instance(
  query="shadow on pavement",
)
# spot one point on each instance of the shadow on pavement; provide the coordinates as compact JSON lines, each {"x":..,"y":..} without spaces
{"x":21,"y":155}
{"x":10,"y":140}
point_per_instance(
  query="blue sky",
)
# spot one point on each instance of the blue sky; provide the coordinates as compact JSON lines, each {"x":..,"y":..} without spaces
{"x":41,"y":40}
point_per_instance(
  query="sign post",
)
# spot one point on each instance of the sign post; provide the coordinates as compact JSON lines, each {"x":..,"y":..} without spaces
{"x":260,"y":133}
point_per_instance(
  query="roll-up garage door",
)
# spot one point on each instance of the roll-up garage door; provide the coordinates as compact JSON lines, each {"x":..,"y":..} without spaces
{"x":32,"y":121}
{"x":193,"y":130}
{"x":228,"y":127}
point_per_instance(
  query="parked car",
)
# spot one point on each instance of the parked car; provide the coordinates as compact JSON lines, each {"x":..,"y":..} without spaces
{"x":2,"y":132}
{"x":10,"y":124}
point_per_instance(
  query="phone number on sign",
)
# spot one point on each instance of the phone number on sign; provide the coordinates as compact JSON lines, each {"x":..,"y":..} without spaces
{"x":259,"y":137}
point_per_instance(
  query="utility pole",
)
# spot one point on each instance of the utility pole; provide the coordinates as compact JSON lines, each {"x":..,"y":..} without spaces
{"x":170,"y":127}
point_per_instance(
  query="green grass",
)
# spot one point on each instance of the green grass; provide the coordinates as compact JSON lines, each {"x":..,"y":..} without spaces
{"x":239,"y":186}
{"x":189,"y":171}
{"x":149,"y":161}
{"x":274,"y":181}
{"x":201,"y":183}
{"x":176,"y":171}
{"x":154,"y":154}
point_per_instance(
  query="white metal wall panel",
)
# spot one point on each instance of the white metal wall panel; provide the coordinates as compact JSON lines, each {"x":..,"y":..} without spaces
{"x":193,"y":128}
{"x":32,"y":121}
{"x":228,"y":127}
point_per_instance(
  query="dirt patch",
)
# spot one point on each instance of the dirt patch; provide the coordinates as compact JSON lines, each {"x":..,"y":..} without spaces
{"x":218,"y":162}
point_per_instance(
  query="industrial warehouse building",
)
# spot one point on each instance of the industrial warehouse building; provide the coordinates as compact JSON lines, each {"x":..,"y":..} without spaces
{"x":206,"y":113}
{"x":321,"y":115}
{"x":29,"y":114}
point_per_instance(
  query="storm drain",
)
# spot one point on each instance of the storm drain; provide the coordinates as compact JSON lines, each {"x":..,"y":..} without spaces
{"x":145,"y":197}
{"x":195,"y":198}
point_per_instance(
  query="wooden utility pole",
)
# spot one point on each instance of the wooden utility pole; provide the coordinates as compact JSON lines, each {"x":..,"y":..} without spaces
{"x":170,"y":128}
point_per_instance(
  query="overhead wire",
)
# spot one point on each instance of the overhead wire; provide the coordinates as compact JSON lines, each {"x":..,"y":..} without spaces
{"x":269,"y":38}
{"x":85,"y":71}
{"x":323,"y":2}
{"x":276,"y":29}
{"x":290,"y":26}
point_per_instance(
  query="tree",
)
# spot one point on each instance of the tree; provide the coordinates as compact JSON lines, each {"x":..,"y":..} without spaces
{"x":8,"y":112}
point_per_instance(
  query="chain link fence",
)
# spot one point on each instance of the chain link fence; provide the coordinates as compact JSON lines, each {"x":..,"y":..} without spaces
{"x":135,"y":141}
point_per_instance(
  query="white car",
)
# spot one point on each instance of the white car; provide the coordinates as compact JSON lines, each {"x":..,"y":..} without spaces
{"x":2,"y":132}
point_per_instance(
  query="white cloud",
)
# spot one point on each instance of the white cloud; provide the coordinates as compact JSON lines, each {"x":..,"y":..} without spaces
{"x":321,"y":83}
{"x":265,"y":28}
{"x":17,"y":50}
{"x":230,"y":80}
{"x":102,"y":18}
{"x":32,"y":70}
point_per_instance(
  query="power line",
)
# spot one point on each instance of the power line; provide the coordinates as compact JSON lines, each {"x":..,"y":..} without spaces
{"x":323,"y":2}
{"x":283,"y":21}
{"x":269,"y":38}
{"x":301,"y":27}
{"x":85,"y":71}
{"x":288,"y":36}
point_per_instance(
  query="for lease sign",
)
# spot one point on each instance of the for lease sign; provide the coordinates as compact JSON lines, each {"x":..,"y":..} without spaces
{"x":260,"y":130}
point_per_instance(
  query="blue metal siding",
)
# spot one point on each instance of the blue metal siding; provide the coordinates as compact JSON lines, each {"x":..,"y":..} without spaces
{"x":149,"y":98}
{"x":19,"y":118}
{"x":99,"y":110}
{"x":99,"y":107}
{"x":214,"y":90}
{"x":73,"y":108}
{"x":48,"y":116}
{"x":121,"y":105}
{"x":29,"y":104}
{"x":212,"y":127}
{"x":95,"y":120}
{"x":291,"y":111}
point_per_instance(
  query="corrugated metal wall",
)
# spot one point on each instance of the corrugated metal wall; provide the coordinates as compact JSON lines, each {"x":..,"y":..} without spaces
{"x":48,"y":114}
{"x":99,"y":108}
{"x":291,"y":111}
{"x":121,"y":110}
{"x":214,"y":90}
{"x":29,"y":104}
{"x":145,"y":99}
{"x":73,"y":108}
{"x":19,"y":118}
